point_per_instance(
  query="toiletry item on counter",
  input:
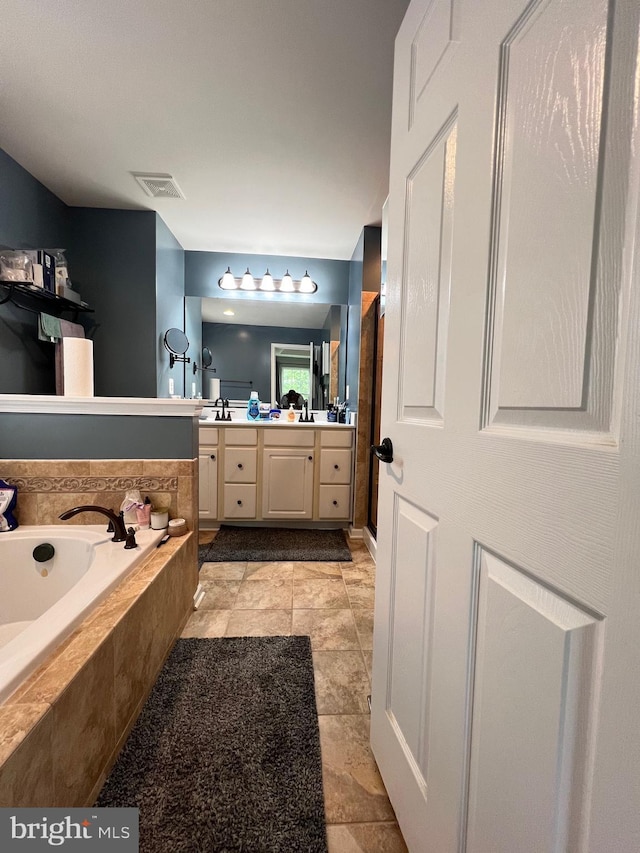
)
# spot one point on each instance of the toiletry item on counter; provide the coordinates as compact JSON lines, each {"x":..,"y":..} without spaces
{"x":253,"y":407}
{"x":332,"y":414}
{"x":274,"y":414}
{"x":132,"y":500}
{"x":265,"y":411}
{"x":291,"y":414}
{"x":159,"y":519}
{"x":177,"y":527}
{"x":143,"y":514}
{"x":8,"y":500}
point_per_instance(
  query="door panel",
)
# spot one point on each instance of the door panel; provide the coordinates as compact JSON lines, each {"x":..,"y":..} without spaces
{"x":552,"y":194}
{"x":427,"y":277}
{"x":533,"y":728}
{"x":504,"y":687}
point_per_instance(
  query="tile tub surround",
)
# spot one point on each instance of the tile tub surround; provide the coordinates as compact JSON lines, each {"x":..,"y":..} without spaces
{"x":61,"y":731}
{"x":47,"y":487}
{"x":333,"y":603}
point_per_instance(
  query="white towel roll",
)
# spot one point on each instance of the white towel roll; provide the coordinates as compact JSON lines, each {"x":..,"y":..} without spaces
{"x":77,"y":365}
{"x":214,"y":389}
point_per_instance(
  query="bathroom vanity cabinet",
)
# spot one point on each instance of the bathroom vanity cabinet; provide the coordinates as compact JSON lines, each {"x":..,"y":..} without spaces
{"x":273,"y":472}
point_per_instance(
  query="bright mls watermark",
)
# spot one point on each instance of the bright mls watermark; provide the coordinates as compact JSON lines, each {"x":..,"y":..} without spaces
{"x":69,"y":829}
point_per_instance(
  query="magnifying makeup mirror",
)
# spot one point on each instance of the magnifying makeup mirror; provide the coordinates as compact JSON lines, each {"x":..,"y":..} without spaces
{"x":207,"y":360}
{"x":176,"y":343}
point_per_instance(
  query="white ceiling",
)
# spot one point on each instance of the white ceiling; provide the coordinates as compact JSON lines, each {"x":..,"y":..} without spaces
{"x":273,"y":116}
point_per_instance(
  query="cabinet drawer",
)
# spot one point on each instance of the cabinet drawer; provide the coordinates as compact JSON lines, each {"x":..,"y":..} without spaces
{"x":334,"y":502}
{"x":208,"y":435}
{"x":336,"y":437}
{"x":294,"y":437}
{"x":335,"y":466}
{"x":239,"y":501}
{"x":240,"y":435}
{"x":240,"y":465}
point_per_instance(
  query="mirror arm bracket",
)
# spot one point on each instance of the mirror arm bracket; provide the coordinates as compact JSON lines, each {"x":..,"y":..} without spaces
{"x":173,"y":358}
{"x":196,"y":368}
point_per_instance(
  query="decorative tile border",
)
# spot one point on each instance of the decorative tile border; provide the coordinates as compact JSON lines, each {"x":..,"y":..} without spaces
{"x":94,"y":484}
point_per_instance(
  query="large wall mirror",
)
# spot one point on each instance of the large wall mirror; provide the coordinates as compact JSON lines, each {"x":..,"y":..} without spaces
{"x":311,"y":338}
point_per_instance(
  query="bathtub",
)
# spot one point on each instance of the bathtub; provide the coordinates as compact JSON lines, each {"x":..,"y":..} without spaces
{"x":42,"y":602}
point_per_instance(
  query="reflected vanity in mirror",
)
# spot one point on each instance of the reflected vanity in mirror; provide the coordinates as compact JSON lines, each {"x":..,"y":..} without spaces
{"x":239,"y":334}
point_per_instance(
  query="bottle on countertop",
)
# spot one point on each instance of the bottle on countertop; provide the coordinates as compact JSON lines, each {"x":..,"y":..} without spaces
{"x":253,"y":407}
{"x":291,"y":414}
{"x":8,"y":500}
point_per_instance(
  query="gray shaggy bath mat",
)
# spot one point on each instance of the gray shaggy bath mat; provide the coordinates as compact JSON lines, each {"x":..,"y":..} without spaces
{"x":267,"y":544}
{"x":225,"y":756}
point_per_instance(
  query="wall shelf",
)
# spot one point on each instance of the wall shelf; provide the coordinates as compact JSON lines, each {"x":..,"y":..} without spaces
{"x":35,"y":299}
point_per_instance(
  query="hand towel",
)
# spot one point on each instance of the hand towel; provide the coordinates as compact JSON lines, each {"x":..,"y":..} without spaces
{"x":49,"y":328}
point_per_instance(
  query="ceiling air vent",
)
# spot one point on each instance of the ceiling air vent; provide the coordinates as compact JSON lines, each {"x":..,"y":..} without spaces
{"x":158,"y":185}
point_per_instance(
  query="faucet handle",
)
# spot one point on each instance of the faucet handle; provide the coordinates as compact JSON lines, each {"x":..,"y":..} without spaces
{"x":131,"y":539}
{"x":110,"y":528}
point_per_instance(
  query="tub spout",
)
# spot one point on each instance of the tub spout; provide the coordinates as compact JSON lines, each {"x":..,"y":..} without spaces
{"x":117,"y":521}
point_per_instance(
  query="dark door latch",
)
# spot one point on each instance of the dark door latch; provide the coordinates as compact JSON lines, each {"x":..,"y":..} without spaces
{"x":383,"y":451}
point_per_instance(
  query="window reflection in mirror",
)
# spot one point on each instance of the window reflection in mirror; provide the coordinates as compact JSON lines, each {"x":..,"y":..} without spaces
{"x":240,"y":345}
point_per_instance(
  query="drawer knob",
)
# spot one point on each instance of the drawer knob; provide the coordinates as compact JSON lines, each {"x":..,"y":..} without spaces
{"x":335,"y":503}
{"x":310,"y":458}
{"x":239,"y":503}
{"x":239,"y":464}
{"x":213,"y":456}
{"x":336,"y":466}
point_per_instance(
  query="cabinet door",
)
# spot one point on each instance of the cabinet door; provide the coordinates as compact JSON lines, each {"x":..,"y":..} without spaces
{"x":287,"y":483}
{"x":208,"y":482}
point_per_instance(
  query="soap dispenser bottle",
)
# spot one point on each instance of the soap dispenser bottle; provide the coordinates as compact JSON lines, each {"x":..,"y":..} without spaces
{"x":291,"y":415}
{"x":253,"y":407}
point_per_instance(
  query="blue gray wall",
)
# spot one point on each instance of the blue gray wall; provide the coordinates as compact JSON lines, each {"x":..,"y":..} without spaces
{"x":112,"y":256}
{"x":57,"y":436}
{"x":169,"y":306}
{"x":244,"y":352}
{"x":30,"y":216}
{"x":203,"y":269}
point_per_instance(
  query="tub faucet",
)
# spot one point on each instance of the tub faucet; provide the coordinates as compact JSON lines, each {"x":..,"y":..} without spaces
{"x":116,"y":521}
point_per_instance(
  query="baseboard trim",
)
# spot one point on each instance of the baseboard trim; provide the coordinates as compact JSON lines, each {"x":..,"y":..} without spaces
{"x":370,"y":542}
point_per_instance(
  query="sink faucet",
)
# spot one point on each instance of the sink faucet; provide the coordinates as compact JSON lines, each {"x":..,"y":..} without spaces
{"x":224,"y":402}
{"x":117,"y":521}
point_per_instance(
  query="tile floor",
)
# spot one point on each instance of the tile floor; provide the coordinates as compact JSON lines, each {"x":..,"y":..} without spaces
{"x":333,"y":603}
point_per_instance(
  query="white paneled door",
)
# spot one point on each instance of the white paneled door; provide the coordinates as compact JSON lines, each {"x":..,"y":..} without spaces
{"x":506,"y":708}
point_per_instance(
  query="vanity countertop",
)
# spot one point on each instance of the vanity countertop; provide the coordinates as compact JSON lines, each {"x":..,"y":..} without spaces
{"x":276,"y":424}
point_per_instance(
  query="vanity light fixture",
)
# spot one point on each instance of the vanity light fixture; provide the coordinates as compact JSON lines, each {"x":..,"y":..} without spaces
{"x":306,"y":285}
{"x":267,"y":281}
{"x":248,"y":281}
{"x":228,"y":282}
{"x":268,"y":284}
{"x":286,"y":285}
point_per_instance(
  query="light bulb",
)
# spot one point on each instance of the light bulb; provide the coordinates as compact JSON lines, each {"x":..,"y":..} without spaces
{"x":306,"y":285}
{"x":228,"y":282}
{"x":286,"y":285}
{"x":267,"y":282}
{"x":248,"y":282}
